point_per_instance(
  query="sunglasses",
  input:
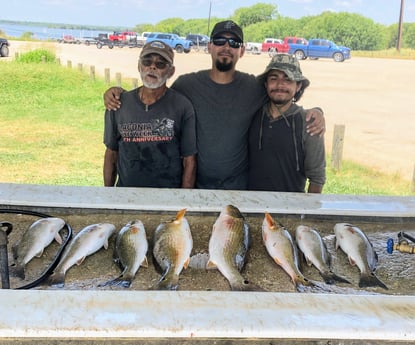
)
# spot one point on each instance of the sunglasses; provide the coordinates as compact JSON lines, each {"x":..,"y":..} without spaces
{"x":221,"y":41}
{"x":158,"y":64}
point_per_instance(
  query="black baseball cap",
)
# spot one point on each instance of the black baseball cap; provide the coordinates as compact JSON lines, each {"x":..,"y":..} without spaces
{"x":227,"y":26}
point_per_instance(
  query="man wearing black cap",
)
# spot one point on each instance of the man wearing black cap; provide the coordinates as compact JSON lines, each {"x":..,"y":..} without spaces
{"x":225,"y":101}
{"x":150,"y":140}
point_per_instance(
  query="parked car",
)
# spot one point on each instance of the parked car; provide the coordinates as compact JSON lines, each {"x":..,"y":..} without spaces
{"x":274,"y":45}
{"x":253,"y":47}
{"x":4,"y":47}
{"x":295,"y":43}
{"x":321,"y":48}
{"x":198,"y":40}
{"x":177,"y":43}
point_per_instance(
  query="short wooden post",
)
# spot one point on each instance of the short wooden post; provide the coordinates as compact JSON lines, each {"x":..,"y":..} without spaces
{"x":413,"y":181}
{"x":80,"y":67}
{"x":337,"y":149}
{"x":92,"y":72}
{"x":135,"y":83}
{"x":107,"y":76}
{"x":69,"y":64}
{"x":43,"y":58}
{"x":58,"y":61}
{"x":16,"y":55}
{"x":118,"y":79}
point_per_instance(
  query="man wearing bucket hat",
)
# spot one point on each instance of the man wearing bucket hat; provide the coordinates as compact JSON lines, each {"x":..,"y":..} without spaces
{"x":282,"y":155}
{"x":225,"y":101}
{"x":151,"y":139}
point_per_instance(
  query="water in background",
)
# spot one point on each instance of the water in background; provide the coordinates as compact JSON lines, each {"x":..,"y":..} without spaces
{"x":45,"y":33}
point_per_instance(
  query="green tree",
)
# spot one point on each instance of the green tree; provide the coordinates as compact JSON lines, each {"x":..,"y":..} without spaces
{"x":258,"y":13}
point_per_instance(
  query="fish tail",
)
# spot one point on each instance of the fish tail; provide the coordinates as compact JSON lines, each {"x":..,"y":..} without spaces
{"x":370,"y":279}
{"x":57,"y":279}
{"x":121,"y":281}
{"x":300,"y":281}
{"x":167,"y":282}
{"x":19,"y":271}
{"x":331,"y":278}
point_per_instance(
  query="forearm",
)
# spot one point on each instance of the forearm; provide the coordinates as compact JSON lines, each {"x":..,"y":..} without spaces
{"x":314,"y":188}
{"x":110,"y":168}
{"x":189,"y":172}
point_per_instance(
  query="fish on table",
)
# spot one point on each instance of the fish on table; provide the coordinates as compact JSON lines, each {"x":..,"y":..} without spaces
{"x":360,"y":252}
{"x":172,"y":245}
{"x":130,"y":252}
{"x":282,"y":249}
{"x":228,"y":248}
{"x":315,"y":253}
{"x":88,"y":241}
{"x":34,"y":241}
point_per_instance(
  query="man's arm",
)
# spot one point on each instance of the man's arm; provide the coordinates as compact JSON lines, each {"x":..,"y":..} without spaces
{"x":189,"y":172}
{"x":110,"y":167}
{"x":314,"y":188}
{"x":316,"y":123}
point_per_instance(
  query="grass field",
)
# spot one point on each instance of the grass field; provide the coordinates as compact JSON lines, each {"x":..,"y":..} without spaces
{"x":51,"y":120}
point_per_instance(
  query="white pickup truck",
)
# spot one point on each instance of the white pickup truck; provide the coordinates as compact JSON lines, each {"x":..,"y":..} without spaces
{"x":253,"y":48}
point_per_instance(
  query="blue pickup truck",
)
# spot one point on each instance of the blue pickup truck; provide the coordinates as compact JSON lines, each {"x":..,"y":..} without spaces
{"x":317,"y":48}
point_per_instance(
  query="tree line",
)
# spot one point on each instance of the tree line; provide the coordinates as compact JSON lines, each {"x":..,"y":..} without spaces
{"x":263,"y":20}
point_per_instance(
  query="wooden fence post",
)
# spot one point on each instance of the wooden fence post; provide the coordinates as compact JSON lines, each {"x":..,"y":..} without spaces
{"x":69,"y":64}
{"x":80,"y":67}
{"x":107,"y":76}
{"x":413,"y":181}
{"x":118,"y":79}
{"x":135,"y":83}
{"x":337,"y":149}
{"x":92,"y":72}
{"x":58,"y":61}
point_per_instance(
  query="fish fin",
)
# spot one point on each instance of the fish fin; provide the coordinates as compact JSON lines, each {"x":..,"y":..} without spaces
{"x":106,"y":244}
{"x":270,"y":220}
{"x":330,"y":278}
{"x":180,"y":214}
{"x":211,"y":265}
{"x":57,"y":279}
{"x":351,"y":261}
{"x":39,"y":253}
{"x":308,"y":261}
{"x":144,"y":263}
{"x":186,"y":263}
{"x":370,"y":279}
{"x":80,"y":261}
{"x":58,"y":238}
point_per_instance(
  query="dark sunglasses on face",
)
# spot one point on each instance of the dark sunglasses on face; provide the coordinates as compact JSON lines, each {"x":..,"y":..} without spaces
{"x":221,"y":41}
{"x":158,"y":64}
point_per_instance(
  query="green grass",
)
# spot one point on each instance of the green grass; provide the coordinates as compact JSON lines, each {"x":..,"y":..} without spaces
{"x":52,"y":119}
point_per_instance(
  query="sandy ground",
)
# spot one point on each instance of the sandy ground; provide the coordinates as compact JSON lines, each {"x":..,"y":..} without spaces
{"x":372,"y":98}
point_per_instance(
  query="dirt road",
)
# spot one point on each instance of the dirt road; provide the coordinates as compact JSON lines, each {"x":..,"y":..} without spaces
{"x":373,"y":98}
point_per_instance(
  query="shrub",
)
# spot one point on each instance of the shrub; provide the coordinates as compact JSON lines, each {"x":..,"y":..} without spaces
{"x":36,"y":56}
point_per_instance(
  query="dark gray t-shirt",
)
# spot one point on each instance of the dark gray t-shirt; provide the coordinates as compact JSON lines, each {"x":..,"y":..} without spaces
{"x":151,"y":143}
{"x":223,"y":115}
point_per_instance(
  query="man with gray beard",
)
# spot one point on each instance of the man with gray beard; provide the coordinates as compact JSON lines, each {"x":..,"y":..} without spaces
{"x":151,"y":139}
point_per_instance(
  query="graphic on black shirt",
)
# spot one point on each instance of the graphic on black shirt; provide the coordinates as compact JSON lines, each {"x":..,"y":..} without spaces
{"x":158,"y":130}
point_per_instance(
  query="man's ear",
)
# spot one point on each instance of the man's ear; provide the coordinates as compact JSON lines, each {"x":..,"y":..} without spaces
{"x":172,"y":69}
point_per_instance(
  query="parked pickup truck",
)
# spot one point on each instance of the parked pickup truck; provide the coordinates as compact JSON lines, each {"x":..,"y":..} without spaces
{"x":4,"y":47}
{"x":318,"y":48}
{"x":274,"y":45}
{"x":253,"y":48}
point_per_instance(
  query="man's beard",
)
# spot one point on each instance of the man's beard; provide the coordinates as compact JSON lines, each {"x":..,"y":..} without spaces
{"x":224,"y":66}
{"x":154,"y":84}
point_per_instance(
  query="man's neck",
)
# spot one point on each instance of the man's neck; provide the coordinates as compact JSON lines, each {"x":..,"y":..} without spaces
{"x":220,"y":77}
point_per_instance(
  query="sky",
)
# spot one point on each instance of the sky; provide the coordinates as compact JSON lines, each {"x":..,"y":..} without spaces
{"x":129,"y":13}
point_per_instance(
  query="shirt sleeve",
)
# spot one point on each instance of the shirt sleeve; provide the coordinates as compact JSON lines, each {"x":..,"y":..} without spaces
{"x":315,"y":158}
{"x":111,"y":134}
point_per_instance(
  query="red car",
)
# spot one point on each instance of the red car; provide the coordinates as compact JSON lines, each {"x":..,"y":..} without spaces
{"x":274,"y":45}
